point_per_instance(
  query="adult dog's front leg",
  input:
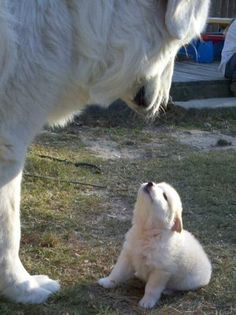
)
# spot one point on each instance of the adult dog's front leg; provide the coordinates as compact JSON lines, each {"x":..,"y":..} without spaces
{"x":15,"y":282}
{"x":122,"y":271}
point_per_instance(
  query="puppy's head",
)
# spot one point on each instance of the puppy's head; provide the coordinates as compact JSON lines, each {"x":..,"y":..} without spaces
{"x":159,"y":204}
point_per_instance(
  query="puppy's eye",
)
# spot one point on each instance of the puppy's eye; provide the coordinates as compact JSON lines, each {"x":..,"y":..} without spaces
{"x":164,"y":195}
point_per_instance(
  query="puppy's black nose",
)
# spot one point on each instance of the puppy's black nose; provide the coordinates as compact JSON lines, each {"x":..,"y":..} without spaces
{"x":148,"y":186}
{"x":140,"y":98}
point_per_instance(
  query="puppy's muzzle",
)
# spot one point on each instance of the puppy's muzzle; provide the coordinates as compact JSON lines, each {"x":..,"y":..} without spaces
{"x":148,"y":187}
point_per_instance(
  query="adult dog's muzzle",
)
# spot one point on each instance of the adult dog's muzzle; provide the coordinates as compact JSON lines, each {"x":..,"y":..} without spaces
{"x":140,"y":99}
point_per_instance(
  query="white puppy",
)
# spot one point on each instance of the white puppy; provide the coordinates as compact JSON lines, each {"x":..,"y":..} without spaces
{"x":158,"y":250}
{"x":56,"y":57}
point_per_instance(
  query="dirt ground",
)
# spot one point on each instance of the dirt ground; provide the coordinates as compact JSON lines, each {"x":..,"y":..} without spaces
{"x":203,"y":140}
{"x":78,"y":194}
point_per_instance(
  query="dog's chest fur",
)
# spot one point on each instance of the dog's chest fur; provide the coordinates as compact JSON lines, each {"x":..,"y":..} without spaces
{"x":148,"y":250}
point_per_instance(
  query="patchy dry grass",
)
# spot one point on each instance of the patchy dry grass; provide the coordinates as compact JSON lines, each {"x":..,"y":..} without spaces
{"x":74,"y":232}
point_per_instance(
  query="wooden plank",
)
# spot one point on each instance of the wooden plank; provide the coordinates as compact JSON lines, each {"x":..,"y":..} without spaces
{"x":224,"y":11}
{"x":233,"y":8}
{"x":223,"y":8}
{"x":208,"y":103}
{"x":218,"y":7}
{"x":184,"y":91}
{"x":187,"y":71}
{"x":219,"y":21}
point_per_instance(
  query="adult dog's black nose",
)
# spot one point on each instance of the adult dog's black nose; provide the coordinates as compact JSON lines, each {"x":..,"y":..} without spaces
{"x":140,"y":98}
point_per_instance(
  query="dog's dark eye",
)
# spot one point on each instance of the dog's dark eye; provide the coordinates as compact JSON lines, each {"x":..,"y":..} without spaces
{"x":164,"y":195}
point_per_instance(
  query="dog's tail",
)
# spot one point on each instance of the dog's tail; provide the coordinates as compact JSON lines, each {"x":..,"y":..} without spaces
{"x":8,"y":50}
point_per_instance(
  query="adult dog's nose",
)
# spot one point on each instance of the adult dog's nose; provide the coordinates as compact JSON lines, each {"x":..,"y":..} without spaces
{"x":140,"y":98}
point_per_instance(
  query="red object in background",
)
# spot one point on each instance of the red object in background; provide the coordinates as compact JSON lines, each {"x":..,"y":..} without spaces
{"x":215,"y":38}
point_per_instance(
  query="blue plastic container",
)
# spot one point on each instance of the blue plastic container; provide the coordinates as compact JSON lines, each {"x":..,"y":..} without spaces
{"x":205,"y":52}
{"x":190,"y":50}
{"x":218,"y":43}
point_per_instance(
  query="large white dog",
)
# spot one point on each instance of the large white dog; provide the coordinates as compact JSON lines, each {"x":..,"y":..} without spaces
{"x":56,"y":56}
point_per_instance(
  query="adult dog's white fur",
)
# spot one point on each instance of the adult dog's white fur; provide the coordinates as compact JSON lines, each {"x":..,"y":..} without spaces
{"x":55,"y":58}
{"x":158,"y":250}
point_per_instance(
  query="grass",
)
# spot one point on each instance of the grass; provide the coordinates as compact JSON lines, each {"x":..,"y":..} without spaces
{"x":75,"y":232}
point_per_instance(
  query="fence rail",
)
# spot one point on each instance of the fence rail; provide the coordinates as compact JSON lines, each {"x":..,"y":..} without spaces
{"x":223,"y":8}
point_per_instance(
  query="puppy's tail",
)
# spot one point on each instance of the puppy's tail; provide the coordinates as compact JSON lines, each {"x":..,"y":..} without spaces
{"x":8,"y":51}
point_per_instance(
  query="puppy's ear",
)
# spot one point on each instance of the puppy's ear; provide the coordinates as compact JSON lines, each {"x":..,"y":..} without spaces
{"x":178,"y":224}
{"x":186,"y":16}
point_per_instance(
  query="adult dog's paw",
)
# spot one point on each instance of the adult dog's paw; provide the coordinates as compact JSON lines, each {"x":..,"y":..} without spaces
{"x":46,"y":283}
{"x":34,"y":290}
{"x":107,"y":283}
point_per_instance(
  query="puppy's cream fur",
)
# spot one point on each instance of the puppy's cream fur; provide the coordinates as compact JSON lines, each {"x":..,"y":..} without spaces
{"x":158,"y":250}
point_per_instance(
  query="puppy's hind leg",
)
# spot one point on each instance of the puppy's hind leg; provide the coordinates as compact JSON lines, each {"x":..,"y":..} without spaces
{"x":155,"y":285}
{"x":122,"y":271}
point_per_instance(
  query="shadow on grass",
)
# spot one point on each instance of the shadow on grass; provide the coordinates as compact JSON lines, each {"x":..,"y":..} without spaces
{"x":93,"y":299}
{"x":119,"y":114}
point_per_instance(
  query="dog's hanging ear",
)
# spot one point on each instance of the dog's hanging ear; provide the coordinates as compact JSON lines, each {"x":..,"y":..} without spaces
{"x":185,"y":17}
{"x":178,"y":224}
{"x":178,"y":17}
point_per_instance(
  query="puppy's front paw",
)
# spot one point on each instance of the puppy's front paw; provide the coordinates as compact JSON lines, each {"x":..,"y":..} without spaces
{"x":107,"y":283}
{"x":147,"y":302}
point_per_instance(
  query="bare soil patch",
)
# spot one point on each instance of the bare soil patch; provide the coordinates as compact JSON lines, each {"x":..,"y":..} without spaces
{"x":205,"y":140}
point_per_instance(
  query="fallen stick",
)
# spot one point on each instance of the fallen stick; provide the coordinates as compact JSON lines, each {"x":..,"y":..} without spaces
{"x":62,"y":180}
{"x":76,"y":164}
